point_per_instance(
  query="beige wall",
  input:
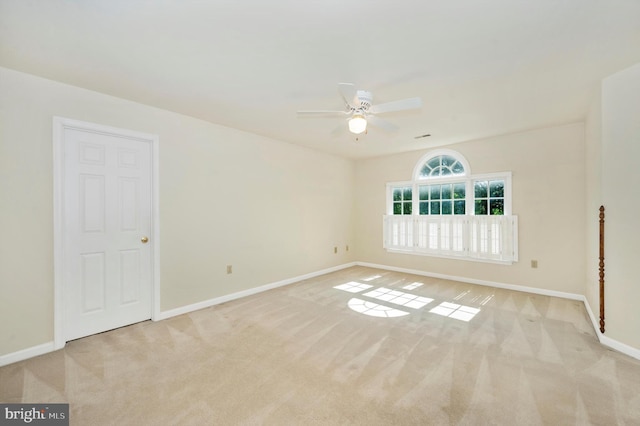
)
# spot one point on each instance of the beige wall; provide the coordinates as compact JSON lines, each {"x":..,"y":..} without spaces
{"x":272,"y":210}
{"x":276,"y":210}
{"x":548,"y":168}
{"x":593,"y":158}
{"x":620,"y":183}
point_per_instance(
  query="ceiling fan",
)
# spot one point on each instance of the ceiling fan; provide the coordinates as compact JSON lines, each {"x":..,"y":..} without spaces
{"x":359,"y":109}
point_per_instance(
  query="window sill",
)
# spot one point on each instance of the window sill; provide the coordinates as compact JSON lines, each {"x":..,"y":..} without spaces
{"x":453,"y":257}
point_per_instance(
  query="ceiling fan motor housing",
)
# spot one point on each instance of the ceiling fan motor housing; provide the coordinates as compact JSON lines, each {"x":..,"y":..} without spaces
{"x":364,"y":99}
{"x":359,"y":109}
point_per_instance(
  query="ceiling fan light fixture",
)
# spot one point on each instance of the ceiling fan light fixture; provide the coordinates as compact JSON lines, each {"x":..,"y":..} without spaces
{"x":359,"y":110}
{"x":357,"y":124}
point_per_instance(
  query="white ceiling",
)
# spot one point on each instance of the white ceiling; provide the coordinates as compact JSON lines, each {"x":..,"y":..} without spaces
{"x":481,"y":67}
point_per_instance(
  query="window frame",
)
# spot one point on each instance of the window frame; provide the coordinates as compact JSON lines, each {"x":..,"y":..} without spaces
{"x":402,"y":201}
{"x":469,"y":218}
{"x":468,"y":180}
{"x":437,"y":153}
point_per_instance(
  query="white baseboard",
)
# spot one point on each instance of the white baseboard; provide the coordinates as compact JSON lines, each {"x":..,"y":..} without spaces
{"x":619,"y":346}
{"x":611,"y":343}
{"x":607,"y":341}
{"x":592,"y":317}
{"x":27,"y":353}
{"x":514,"y":287}
{"x":44,"y":348}
{"x":244,"y":293}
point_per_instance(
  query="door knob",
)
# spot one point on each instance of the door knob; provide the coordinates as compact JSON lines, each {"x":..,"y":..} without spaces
{"x":144,"y":239}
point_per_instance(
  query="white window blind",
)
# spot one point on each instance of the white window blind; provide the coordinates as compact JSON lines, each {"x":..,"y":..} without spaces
{"x":462,"y":236}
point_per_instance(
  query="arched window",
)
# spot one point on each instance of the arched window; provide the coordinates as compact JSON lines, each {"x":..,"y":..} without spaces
{"x":439,"y":179}
{"x":441,"y":163}
{"x":445,"y":210}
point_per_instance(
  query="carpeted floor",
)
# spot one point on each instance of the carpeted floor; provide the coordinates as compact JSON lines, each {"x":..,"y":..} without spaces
{"x":410,"y":351}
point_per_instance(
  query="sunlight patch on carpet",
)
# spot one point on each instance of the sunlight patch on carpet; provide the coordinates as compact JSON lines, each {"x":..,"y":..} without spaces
{"x":371,"y":278}
{"x":399,"y":298}
{"x":455,"y":311}
{"x":353,"y":287}
{"x":374,"y":309}
{"x":413,"y":286}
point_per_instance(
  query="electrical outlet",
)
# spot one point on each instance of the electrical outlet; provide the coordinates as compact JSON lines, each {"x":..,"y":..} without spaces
{"x":229,"y":269}
{"x":534,"y":263}
{"x":335,"y":250}
{"x":346,"y":248}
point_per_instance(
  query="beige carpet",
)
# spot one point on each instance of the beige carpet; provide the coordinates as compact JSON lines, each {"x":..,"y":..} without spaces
{"x":299,"y":355}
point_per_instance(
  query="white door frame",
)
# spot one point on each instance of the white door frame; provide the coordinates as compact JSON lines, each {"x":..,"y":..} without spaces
{"x":60,"y":124}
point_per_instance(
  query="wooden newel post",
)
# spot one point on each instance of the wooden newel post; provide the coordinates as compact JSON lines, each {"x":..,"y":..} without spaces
{"x":601,"y":269}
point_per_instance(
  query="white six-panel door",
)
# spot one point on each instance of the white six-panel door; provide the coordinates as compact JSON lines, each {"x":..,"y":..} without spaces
{"x":107,"y":259}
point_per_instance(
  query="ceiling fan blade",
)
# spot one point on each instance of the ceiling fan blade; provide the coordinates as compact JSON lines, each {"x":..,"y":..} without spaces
{"x":383,"y":124}
{"x":348,"y":92}
{"x":401,"y":105}
{"x":321,"y":113}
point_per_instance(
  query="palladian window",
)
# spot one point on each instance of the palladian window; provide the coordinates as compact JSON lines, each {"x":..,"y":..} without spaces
{"x":446,"y":211}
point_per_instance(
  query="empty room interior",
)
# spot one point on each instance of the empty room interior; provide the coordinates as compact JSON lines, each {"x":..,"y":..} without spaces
{"x":409,"y":212}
